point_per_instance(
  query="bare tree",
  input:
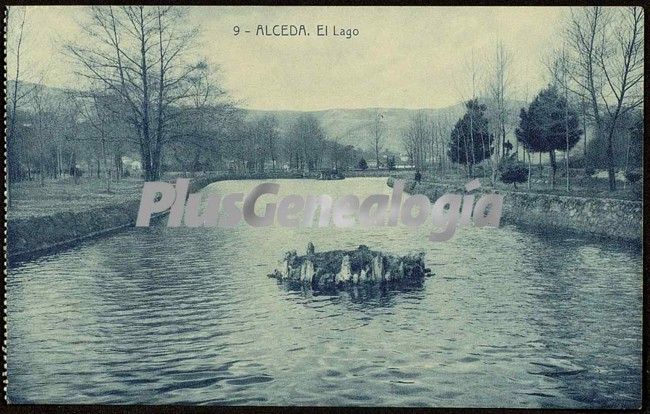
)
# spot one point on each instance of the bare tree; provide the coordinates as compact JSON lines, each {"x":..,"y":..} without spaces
{"x":606,"y":47}
{"x":415,"y":138}
{"x":97,"y":110}
{"x":16,"y":96}
{"x":141,"y":54}
{"x":44,"y":128}
{"x":272,"y":136}
{"x":18,"y":92}
{"x":377,"y":132}
{"x":621,"y":62}
{"x":499,"y":89}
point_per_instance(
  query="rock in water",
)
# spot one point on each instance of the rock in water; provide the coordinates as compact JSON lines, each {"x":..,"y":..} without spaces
{"x":307,"y":271}
{"x":345,"y":274}
{"x":339,"y":268}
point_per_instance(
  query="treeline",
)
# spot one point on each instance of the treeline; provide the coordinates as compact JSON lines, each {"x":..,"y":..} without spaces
{"x":142,"y":93}
{"x":595,"y":87}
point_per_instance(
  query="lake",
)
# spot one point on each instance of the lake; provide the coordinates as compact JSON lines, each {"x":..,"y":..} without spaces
{"x":187,"y":315}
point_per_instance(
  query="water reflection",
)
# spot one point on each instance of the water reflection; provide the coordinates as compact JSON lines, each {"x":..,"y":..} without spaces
{"x":366,"y":294}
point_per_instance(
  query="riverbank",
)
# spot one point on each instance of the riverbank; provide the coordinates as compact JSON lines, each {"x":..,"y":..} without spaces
{"x":71,"y":214}
{"x":67,"y":214}
{"x":61,"y":214}
{"x":599,"y":217}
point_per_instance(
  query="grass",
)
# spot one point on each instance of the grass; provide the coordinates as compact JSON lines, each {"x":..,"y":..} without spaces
{"x":579,"y":185}
{"x":30,"y":199}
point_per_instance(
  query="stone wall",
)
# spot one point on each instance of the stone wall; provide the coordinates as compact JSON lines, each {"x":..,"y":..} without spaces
{"x":35,"y":236}
{"x":32,"y":237}
{"x":602,"y":217}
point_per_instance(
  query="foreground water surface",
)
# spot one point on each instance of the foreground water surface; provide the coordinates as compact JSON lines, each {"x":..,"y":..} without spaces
{"x":181,"y":315}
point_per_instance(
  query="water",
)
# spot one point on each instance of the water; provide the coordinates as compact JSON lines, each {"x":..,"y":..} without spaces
{"x":165,"y":315}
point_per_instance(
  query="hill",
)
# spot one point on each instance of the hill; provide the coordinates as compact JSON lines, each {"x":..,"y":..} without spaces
{"x":352,"y":126}
{"x":348,"y":126}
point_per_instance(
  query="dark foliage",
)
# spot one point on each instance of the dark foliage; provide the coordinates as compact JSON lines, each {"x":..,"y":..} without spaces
{"x":542,"y":128}
{"x":632,"y":176}
{"x":362,"y":165}
{"x":513,"y":173}
{"x":471,"y":142}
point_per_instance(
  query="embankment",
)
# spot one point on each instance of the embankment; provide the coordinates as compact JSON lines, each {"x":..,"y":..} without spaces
{"x":34,"y":236}
{"x":600,"y":217}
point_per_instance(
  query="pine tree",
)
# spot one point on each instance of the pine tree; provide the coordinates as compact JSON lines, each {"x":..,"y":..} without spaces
{"x":471,"y":142}
{"x":543,"y":127}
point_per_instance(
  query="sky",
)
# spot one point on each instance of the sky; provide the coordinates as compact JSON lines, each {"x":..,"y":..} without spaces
{"x":403,"y":57}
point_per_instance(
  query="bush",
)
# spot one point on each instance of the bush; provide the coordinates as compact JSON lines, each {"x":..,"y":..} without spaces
{"x":363,"y":165}
{"x":514,"y":173}
{"x":632,"y":176}
{"x":575,"y":162}
{"x":590,"y":171}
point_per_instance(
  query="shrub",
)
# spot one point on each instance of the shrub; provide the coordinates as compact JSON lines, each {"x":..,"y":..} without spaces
{"x":575,"y":162}
{"x":363,"y":165}
{"x":514,"y":173}
{"x":632,"y":176}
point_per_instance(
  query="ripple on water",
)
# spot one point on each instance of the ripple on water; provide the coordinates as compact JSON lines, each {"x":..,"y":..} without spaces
{"x":188,"y":316}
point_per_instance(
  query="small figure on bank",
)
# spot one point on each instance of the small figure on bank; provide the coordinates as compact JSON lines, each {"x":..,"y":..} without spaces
{"x":418,"y":176}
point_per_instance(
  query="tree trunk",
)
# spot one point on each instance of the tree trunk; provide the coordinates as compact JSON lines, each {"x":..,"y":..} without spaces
{"x":146,"y":143}
{"x":377,"y":155}
{"x":530,"y":167}
{"x":584,"y":131}
{"x":42,"y":168}
{"x":610,"y":161}
{"x":551,"y":155}
{"x":106,"y":170}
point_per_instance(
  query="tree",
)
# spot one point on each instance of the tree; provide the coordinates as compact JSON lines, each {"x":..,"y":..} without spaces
{"x":17,"y":91}
{"x":606,"y":47}
{"x":197,"y":128}
{"x":140,"y":54}
{"x":14,"y":98}
{"x":632,"y":176}
{"x":524,"y":136}
{"x":98,"y":114}
{"x":270,"y":128}
{"x":416,"y":138}
{"x":471,"y":142}
{"x":499,"y":89}
{"x":513,"y":171}
{"x":45,"y":125}
{"x":622,"y":65}
{"x":441,"y":131}
{"x":548,"y":125}
{"x":377,"y":132}
{"x":306,"y":143}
